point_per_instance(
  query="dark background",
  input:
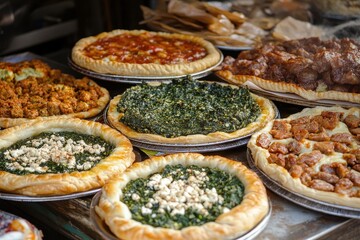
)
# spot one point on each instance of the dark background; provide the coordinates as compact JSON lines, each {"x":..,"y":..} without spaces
{"x":50,"y":28}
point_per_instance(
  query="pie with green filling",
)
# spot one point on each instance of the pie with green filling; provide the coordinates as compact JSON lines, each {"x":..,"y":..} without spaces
{"x":183,"y":196}
{"x":188,"y":111}
{"x":57,"y":157}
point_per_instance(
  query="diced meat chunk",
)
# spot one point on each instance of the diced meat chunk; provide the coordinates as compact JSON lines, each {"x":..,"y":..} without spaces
{"x":340,"y":169}
{"x":305,"y":178}
{"x":311,"y":158}
{"x":324,"y":147}
{"x":321,"y":136}
{"x":343,"y":186}
{"x":280,"y":130}
{"x":341,"y":147}
{"x":327,"y":168}
{"x":356,"y":152}
{"x":350,"y":159}
{"x":296,"y":171}
{"x":321,"y":185}
{"x":352,"y":121}
{"x":327,"y":177}
{"x":300,"y":134}
{"x":311,"y":127}
{"x":278,"y":147}
{"x":278,"y":159}
{"x":355,"y":178}
{"x":355,"y":131}
{"x":356,"y":167}
{"x":294,"y":147}
{"x":342,"y":138}
{"x":330,"y":119}
{"x":290,"y":160}
{"x":301,"y":120}
{"x":263,"y":140}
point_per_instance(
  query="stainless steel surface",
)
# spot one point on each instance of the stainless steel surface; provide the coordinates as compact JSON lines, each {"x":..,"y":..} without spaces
{"x":106,"y":233}
{"x":139,"y":79}
{"x":307,"y":202}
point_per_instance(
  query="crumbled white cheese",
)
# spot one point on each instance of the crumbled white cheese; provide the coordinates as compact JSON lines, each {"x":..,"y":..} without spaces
{"x":179,"y":195}
{"x":56,"y":149}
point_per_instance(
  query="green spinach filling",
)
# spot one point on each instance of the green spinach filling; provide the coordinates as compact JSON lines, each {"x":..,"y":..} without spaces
{"x":186,"y":107}
{"x":54,"y":152}
{"x":152,"y":203}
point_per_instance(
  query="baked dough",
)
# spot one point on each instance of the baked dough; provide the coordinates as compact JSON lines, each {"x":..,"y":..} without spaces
{"x":230,"y":225}
{"x":283,"y":175}
{"x":149,"y":69}
{"x":32,"y":90}
{"x":66,"y":183}
{"x":267,"y":113}
{"x":102,"y":102}
{"x":285,"y":87}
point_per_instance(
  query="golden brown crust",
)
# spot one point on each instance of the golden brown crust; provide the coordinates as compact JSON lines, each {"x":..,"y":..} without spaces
{"x":236,"y":222}
{"x":281,"y":175}
{"x":6,"y":122}
{"x":277,"y":86}
{"x":267,"y":113}
{"x":72,"y":182}
{"x":150,"y":69}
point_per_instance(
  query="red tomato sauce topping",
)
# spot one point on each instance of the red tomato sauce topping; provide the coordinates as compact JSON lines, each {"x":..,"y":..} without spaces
{"x":145,"y":48}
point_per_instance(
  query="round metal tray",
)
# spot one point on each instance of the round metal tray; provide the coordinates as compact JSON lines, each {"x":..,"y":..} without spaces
{"x":23,"y":198}
{"x":6,"y":218}
{"x":191,"y":147}
{"x":234,"y":48}
{"x":293,"y":98}
{"x":105,"y":232}
{"x":304,"y":201}
{"x":140,"y":79}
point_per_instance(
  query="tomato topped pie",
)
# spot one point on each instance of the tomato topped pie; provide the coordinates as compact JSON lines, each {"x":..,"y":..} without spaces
{"x":188,"y":111}
{"x":61,"y":156}
{"x":31,"y":89}
{"x":183,"y":196}
{"x":144,"y":53}
{"x":315,"y":153}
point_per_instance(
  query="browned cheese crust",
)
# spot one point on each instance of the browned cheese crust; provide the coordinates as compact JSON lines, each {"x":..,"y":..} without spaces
{"x":72,"y":182}
{"x":267,"y":114}
{"x":237,"y":221}
{"x":54,"y":94}
{"x":315,"y":153}
{"x":310,"y":68}
{"x":148,"y":69}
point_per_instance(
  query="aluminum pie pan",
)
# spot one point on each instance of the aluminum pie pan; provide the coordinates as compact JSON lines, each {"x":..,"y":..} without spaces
{"x":23,"y":198}
{"x":106,"y":234}
{"x":141,"y":79}
{"x":304,"y":201}
{"x":184,"y":147}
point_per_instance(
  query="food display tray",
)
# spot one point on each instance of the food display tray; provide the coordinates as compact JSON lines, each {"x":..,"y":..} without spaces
{"x":293,"y":98}
{"x":6,"y":218}
{"x":23,"y":198}
{"x":304,"y":201}
{"x":104,"y":231}
{"x":191,"y":147}
{"x":140,"y":79}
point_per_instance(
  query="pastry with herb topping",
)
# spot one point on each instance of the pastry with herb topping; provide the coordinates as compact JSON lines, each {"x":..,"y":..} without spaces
{"x":183,"y":196}
{"x":188,"y":111}
{"x":58,"y":157}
